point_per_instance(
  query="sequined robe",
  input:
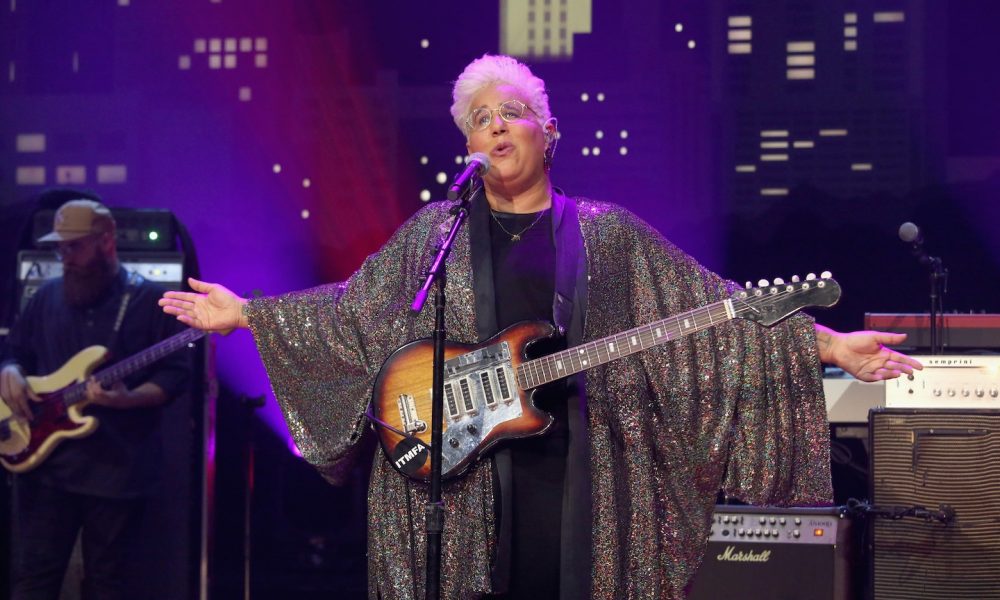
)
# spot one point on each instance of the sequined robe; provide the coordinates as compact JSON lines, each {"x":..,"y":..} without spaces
{"x":736,"y":407}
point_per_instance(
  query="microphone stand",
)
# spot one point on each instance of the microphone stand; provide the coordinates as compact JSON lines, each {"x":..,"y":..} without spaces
{"x":939,"y":283}
{"x":434,"y":509}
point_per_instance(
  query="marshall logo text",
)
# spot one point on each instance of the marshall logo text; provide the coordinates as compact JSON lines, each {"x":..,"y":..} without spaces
{"x":731,"y":555}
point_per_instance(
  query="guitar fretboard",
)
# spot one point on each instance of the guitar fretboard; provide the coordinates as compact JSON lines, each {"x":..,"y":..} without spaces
{"x":124,"y":368}
{"x":555,"y":366}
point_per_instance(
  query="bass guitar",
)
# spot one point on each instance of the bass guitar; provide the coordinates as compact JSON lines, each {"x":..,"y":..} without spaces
{"x":57,"y":417}
{"x":488,"y":386}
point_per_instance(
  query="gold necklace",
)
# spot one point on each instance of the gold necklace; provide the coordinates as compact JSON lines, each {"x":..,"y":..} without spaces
{"x":516,"y":237}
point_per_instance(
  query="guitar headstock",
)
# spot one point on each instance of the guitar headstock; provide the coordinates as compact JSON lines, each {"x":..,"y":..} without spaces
{"x":771,"y":302}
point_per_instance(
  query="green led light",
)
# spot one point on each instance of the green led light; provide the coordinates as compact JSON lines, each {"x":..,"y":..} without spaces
{"x":154,"y":235}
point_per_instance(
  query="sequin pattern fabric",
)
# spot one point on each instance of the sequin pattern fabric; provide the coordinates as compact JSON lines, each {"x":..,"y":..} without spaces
{"x":737,"y":406}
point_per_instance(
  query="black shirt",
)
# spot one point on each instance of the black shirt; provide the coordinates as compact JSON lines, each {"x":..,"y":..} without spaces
{"x":524,"y":286}
{"x":121,"y":458}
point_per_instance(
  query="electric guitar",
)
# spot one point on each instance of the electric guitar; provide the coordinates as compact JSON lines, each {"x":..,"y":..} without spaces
{"x":57,"y":417}
{"x":488,"y":387}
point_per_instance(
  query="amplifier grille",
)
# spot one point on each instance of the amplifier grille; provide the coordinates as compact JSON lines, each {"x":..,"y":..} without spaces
{"x":929,"y":458}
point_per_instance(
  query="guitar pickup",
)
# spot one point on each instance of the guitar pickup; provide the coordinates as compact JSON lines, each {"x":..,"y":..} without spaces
{"x":467,"y":403}
{"x":502,"y":383}
{"x":489,"y":398}
{"x":408,"y":415}
{"x":450,"y":401}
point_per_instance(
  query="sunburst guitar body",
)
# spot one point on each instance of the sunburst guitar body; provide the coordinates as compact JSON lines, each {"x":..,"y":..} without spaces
{"x":488,"y":387}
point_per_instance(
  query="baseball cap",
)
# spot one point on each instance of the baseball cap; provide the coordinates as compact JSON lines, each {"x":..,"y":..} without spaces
{"x":77,"y":219}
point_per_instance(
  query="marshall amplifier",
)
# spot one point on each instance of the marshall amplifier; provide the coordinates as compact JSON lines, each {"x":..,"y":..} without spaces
{"x":943,"y":468}
{"x":776,"y":554}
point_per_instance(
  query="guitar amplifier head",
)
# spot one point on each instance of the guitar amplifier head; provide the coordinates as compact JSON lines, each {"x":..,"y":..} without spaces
{"x":776,"y":554}
{"x":948,"y":381}
{"x":143,"y":229}
{"x":34,"y":267}
{"x":931,"y":458}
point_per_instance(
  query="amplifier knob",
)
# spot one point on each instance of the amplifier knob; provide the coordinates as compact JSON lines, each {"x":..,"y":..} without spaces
{"x":798,"y":521}
{"x":773,"y":520}
{"x":993,"y":393}
{"x":937,"y":391}
{"x":725,"y":519}
{"x":980,"y":392}
{"x":758,"y":532}
{"x":782,"y":520}
{"x":763,"y":520}
{"x":965,"y":392}
{"x":795,"y":533}
{"x":774,"y":533}
{"x":951,"y":392}
{"x":767,"y":533}
{"x":741,"y":532}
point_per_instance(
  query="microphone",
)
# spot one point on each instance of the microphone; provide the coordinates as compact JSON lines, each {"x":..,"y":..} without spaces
{"x":476,"y":165}
{"x":911,"y":234}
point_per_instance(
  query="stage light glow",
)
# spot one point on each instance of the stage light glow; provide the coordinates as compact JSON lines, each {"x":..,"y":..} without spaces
{"x":425,"y":43}
{"x":584,"y":96}
{"x":306,"y":182}
{"x":600,"y":96}
{"x":691,"y":44}
{"x":599,"y":134}
{"x":276,"y":168}
{"x":596,"y":151}
{"x":424,"y":160}
{"x":678,"y":27}
{"x":305,"y":213}
{"x":441,"y":177}
{"x":425,"y":195}
{"x":623,"y":151}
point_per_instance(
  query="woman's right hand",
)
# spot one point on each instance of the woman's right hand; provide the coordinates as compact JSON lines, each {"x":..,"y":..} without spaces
{"x":211,"y":307}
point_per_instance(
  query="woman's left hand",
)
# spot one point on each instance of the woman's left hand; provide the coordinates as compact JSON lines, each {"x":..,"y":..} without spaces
{"x":864,"y":355}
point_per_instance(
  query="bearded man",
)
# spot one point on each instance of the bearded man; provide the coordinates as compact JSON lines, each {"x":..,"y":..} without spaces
{"x":94,"y":486}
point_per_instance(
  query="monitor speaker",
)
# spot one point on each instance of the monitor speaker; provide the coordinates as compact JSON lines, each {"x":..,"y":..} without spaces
{"x":929,"y":460}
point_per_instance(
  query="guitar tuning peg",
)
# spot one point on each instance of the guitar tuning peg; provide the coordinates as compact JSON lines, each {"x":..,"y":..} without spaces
{"x":749,"y":285}
{"x":810,"y":277}
{"x":779,"y":281}
{"x":826,"y":275}
{"x":763,"y":283}
{"x":795,"y":279}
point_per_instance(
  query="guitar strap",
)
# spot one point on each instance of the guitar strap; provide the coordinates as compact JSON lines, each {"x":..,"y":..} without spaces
{"x":134,"y":279}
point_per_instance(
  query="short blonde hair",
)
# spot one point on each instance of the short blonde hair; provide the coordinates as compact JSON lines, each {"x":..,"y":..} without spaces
{"x":493,"y":69}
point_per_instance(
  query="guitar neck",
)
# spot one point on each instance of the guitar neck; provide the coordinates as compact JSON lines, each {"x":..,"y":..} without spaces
{"x":553,"y":367}
{"x":126,"y":367}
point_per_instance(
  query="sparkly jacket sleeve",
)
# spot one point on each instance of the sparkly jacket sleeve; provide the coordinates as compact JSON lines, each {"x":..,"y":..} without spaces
{"x":322,"y":347}
{"x":736,"y":406}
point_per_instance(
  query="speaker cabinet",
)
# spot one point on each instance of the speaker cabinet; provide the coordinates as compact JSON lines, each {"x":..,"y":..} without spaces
{"x":776,"y":554}
{"x":929,"y":458}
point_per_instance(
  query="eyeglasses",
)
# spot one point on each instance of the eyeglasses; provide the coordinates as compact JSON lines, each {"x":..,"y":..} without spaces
{"x":67,"y":249}
{"x":509,"y":111}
